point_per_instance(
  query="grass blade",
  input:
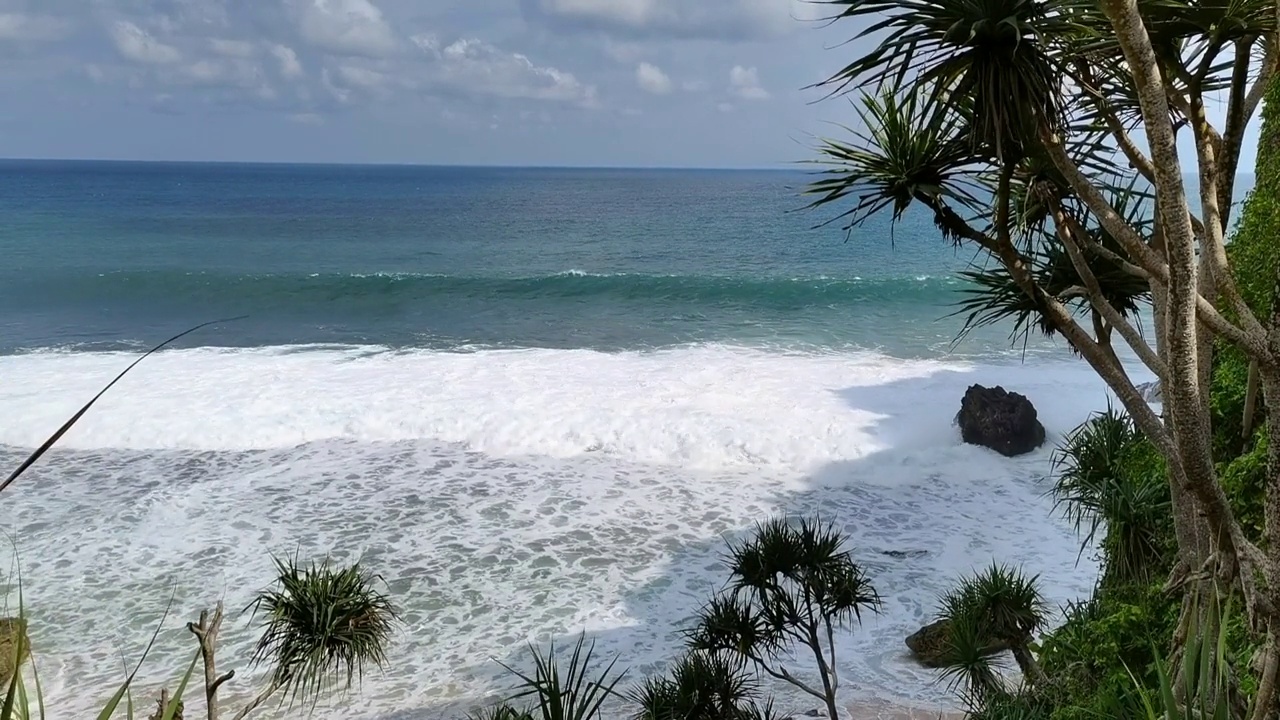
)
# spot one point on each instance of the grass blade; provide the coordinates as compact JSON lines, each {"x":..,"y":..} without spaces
{"x":44,"y":448}
{"x":172,"y":708}
{"x":114,"y":702}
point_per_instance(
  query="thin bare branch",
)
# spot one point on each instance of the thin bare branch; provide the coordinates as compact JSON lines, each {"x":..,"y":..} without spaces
{"x":1068,"y":230}
{"x":1137,"y":158}
{"x":1111,"y":220}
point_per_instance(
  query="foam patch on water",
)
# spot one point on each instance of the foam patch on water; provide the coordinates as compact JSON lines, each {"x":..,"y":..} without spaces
{"x":507,"y":496}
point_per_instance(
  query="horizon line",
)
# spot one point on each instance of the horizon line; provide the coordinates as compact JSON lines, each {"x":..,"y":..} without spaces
{"x":457,"y":166}
{"x":463,"y":166}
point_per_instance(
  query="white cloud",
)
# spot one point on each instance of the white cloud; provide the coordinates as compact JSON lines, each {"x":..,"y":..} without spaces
{"x":341,"y":94}
{"x":725,"y":19}
{"x":231,"y":48}
{"x":725,"y":107}
{"x":624,"y":52}
{"x":290,"y":67}
{"x":347,"y":27}
{"x":651,"y":79}
{"x":138,"y":45}
{"x":473,"y":67}
{"x":744,"y":82}
{"x":353,"y":76}
{"x":30,"y":28}
{"x":225,"y":72}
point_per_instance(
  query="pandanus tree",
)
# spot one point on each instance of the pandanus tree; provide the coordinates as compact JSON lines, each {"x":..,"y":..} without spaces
{"x":793,"y":585}
{"x":1045,"y":134}
{"x":999,"y":603}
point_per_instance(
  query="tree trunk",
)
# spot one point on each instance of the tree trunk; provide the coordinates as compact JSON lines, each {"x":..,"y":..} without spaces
{"x":1250,"y":405}
{"x":1027,"y":662}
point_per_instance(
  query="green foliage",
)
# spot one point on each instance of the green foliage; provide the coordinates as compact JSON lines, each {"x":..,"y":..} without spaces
{"x":786,"y":579}
{"x":988,"y":49}
{"x":703,"y":686}
{"x":323,"y":626}
{"x":908,"y":154}
{"x":1003,"y":705}
{"x":1227,"y":400}
{"x":502,"y":711}
{"x":999,"y":602}
{"x":1253,"y":250}
{"x":1205,"y":693}
{"x":559,"y":693}
{"x":1245,"y":481}
{"x":1111,"y":480}
{"x":1118,"y":631}
{"x":792,"y":585}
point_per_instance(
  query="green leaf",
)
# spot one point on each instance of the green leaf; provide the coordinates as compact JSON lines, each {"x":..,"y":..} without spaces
{"x":176,"y":700}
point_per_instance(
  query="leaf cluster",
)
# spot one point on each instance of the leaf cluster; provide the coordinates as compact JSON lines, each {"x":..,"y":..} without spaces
{"x":790,"y":583}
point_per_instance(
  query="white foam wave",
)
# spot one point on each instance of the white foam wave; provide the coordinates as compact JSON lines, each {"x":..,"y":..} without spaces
{"x":706,"y":407}
{"x":506,"y":496}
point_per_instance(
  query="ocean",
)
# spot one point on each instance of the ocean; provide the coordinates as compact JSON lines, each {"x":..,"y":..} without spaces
{"x":538,"y":402}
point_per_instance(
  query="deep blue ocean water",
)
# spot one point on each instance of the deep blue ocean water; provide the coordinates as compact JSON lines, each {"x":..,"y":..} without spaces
{"x":103,"y":255}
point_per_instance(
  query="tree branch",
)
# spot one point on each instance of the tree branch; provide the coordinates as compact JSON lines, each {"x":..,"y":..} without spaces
{"x":253,"y":704}
{"x":1068,"y":230}
{"x":1270,"y":60}
{"x":1110,"y":219}
{"x":1213,"y":233}
{"x":1088,"y":83}
{"x":206,"y":632}
{"x":1233,"y":135}
{"x":781,"y":674}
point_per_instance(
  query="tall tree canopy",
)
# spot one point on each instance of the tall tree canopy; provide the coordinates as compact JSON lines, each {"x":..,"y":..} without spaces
{"x":1045,"y":132}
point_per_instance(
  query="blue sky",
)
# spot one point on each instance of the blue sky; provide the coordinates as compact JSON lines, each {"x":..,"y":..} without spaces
{"x":683,"y":83}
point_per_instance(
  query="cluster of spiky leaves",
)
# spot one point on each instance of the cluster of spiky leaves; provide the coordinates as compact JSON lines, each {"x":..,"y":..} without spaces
{"x":572,"y":691}
{"x":1206,"y":691}
{"x":955,"y":90}
{"x":1098,"y":488}
{"x":993,"y":297}
{"x":1000,"y":602}
{"x":703,"y":686}
{"x":987,"y":52}
{"x":323,"y":625}
{"x":789,"y":578}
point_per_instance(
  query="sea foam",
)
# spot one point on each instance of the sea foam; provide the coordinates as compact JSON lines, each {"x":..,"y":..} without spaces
{"x":506,"y":497}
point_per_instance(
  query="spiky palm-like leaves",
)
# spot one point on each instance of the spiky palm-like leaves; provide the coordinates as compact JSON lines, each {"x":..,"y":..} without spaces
{"x":556,"y":691}
{"x":993,"y":297}
{"x":324,"y":626}
{"x":1207,"y":690}
{"x":703,"y":686}
{"x":1000,"y":603}
{"x":909,"y":151}
{"x":1095,"y":491}
{"x":792,"y":585}
{"x":988,"y":51}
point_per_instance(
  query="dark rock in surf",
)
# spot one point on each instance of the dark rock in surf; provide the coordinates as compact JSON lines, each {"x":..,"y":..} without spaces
{"x":905,"y":554}
{"x":1003,"y":421}
{"x":931,"y":644}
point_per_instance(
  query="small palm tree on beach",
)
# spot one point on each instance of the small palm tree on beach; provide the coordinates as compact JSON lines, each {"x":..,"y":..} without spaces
{"x":1000,"y":604}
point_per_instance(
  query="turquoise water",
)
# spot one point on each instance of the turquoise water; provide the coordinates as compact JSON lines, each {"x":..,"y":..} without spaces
{"x":538,"y":402}
{"x":105,"y":255}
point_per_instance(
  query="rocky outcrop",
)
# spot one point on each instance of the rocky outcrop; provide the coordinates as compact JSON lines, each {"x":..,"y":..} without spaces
{"x":1003,"y":421}
{"x":931,"y":644}
{"x":1151,"y":392}
{"x":13,"y":631}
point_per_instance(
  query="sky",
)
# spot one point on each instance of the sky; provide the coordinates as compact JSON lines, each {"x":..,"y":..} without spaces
{"x":643,"y":83}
